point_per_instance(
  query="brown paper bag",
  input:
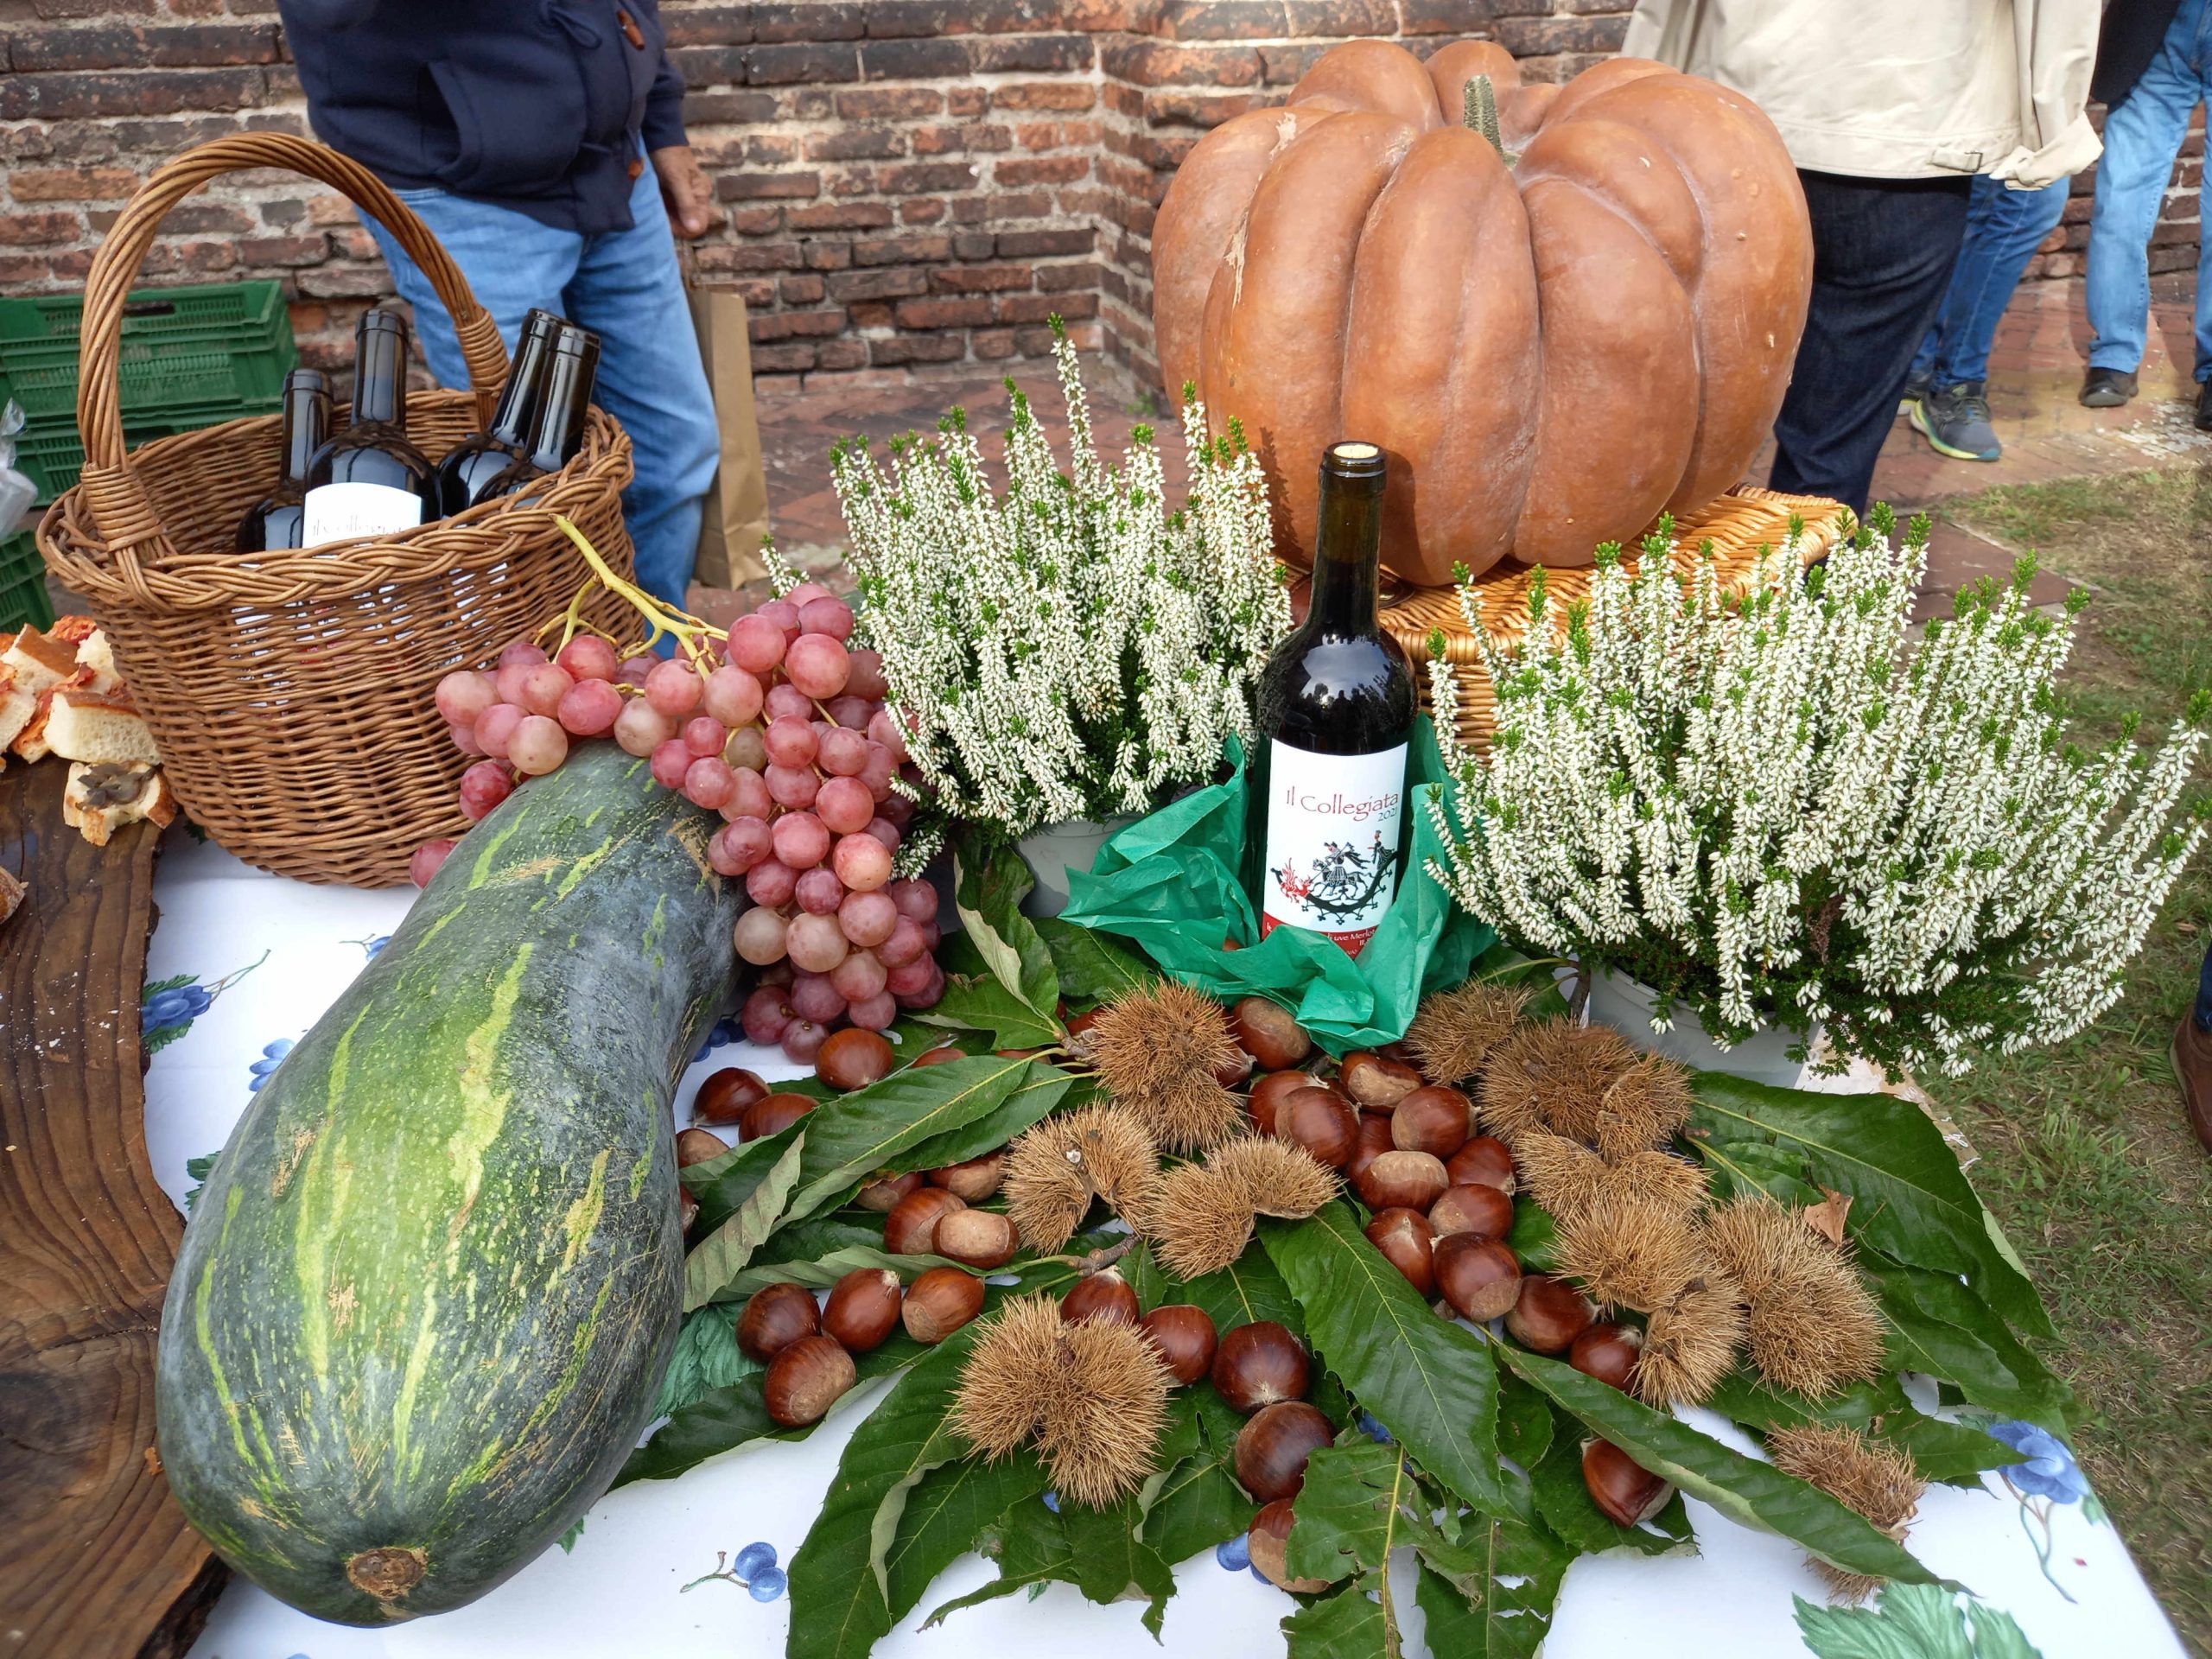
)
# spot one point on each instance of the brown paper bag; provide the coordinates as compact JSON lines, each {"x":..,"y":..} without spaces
{"x":735,"y":521}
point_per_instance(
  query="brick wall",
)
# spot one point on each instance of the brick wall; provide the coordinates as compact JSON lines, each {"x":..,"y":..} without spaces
{"x":904,"y":184}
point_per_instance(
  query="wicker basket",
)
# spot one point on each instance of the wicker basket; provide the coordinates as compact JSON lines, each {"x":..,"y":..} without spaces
{"x":1737,"y":523}
{"x":289,"y":693}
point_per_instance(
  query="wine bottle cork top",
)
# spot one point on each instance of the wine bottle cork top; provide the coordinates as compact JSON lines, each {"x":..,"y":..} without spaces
{"x":1353,"y":460}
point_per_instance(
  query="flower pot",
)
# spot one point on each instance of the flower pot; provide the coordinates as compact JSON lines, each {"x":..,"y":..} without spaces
{"x":1053,"y":851}
{"x":1626,"y":1004}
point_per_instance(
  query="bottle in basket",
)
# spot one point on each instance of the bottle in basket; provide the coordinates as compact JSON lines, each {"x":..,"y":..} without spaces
{"x":370,"y":480}
{"x":278,"y":519}
{"x":465,"y":471}
{"x":572,"y":369}
{"x":1336,"y":706}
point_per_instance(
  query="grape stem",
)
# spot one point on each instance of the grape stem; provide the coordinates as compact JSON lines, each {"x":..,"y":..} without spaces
{"x":688,"y":631}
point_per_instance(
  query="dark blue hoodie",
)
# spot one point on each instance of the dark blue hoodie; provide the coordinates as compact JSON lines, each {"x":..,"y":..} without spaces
{"x":539,"y":105}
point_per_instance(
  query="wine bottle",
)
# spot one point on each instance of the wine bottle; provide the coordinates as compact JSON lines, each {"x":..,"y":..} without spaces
{"x":369,"y":480}
{"x":1336,"y":706}
{"x":571,"y":370}
{"x":278,"y":519}
{"x":465,"y":470}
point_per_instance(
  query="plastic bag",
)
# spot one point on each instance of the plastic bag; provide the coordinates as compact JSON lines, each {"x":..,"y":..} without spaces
{"x":16,"y":492}
{"x":1169,"y":881}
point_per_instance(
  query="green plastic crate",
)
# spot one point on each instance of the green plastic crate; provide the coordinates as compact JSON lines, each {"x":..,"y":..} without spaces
{"x":23,"y":600}
{"x":51,"y":454}
{"x":183,"y":348}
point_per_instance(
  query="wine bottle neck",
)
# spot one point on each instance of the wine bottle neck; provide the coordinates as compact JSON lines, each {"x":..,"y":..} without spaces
{"x":520,"y":398}
{"x":307,"y":424}
{"x":1347,"y":560}
{"x":569,"y":373}
{"x":380,"y":377}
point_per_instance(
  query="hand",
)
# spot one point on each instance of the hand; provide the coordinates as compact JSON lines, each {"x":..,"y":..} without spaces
{"x":683,"y":186}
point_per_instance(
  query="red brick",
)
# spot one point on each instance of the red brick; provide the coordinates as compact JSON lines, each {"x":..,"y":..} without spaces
{"x":105,"y":47}
{"x":696,"y":25}
{"x":1228,"y":20}
{"x":786,"y":325}
{"x":1036,"y":307}
{"x":1527,"y":37}
{"x":758,"y":221}
{"x":992,"y":344}
{"x":889,"y":102}
{"x":753,"y":187}
{"x":855,"y":143}
{"x":1286,"y":64}
{"x":799,"y":290}
{"x":997,"y":206}
{"x":795,"y":356}
{"x":883,"y":282}
{"x":828,"y":256}
{"x":1043,"y":169}
{"x":937,"y":141}
{"x":870,"y":313}
{"x":720,"y":258}
{"x":969,"y":246}
{"x":902,"y":249}
{"x":924,"y":210}
{"x":981,"y":279}
{"x":841,"y":354}
{"x":941,"y":313}
{"x":756,"y":291}
{"x":47,"y":98}
{"x":31,"y":230}
{"x":1044,"y":95}
{"x":73,"y":183}
{"x":916,"y":348}
{"x":284,"y":250}
{"x":345,"y":281}
{"x":807,"y":62}
{"x":922,"y":178}
{"x":711,"y":109}
{"x":966,"y":100}
{"x":841,"y":216}
{"x":1030,"y":245}
{"x":766,"y":149}
{"x":812,"y":20}
{"x":1059,"y":279}
{"x":1155,"y":63}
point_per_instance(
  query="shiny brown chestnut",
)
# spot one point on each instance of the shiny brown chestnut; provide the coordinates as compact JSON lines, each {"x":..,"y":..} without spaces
{"x":806,"y":1379}
{"x":1434,"y":1120}
{"x":724,"y":1096}
{"x":882,"y":1194}
{"x":1269,"y":1033}
{"x":1483,"y":1211}
{"x":1609,"y":1353}
{"x":696,"y":1146}
{"x":1321,"y":1121}
{"x":980,"y":1238}
{"x":939,"y":1057}
{"x":1629,"y":1495}
{"x":1259,"y":1364}
{"x":1268,"y":1538}
{"x":775,"y":1317}
{"x":1377,"y":1082}
{"x":911,"y":1227}
{"x":864,"y":1309}
{"x":855,"y":1057}
{"x":1268,"y":1093}
{"x":1232,"y":1071}
{"x":1484,"y":1161}
{"x":1104,"y":1296}
{"x":1184,"y":1333}
{"x":1480,"y":1277}
{"x":686,"y":1209}
{"x":1374,"y":1141}
{"x":1549,"y":1314}
{"x":1273,"y":1447}
{"x":1413,"y":1180}
{"x":772,"y":1113}
{"x":975,"y":1180}
{"x":1403,"y":1237}
{"x":940,"y":1302}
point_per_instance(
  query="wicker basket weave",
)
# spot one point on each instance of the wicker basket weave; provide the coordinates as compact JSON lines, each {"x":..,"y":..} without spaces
{"x":1737,"y":523}
{"x":290,"y":692}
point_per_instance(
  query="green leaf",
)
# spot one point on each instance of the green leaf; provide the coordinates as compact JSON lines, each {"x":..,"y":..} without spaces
{"x":1245,"y":1292}
{"x":1912,"y":1621}
{"x":1110,"y":1557}
{"x":1913,"y":1202}
{"x":1093,"y":968}
{"x":1348,"y":1624}
{"x":1042,"y":1090}
{"x":568,"y":1538}
{"x":1430,"y":1381}
{"x":949,"y":1508}
{"x":706,"y":1357}
{"x":989,"y":884}
{"x":820,"y":1271}
{"x":1033,"y":1550}
{"x":852,"y":1137}
{"x":199,"y":1169}
{"x":1534,"y":1237}
{"x":1196,"y":1503}
{"x":979,"y":1002}
{"x":1352,"y":1511}
{"x":1564,"y":1502}
{"x":1524,"y":1422}
{"x":1747,"y":1491}
{"x":718,"y":1258}
{"x":1940,"y":1451}
{"x":722,"y":1184}
{"x":1472,"y":1613}
{"x":1941,"y":1329}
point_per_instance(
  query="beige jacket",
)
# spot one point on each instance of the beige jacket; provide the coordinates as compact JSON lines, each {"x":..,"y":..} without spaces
{"x":1898,"y":89}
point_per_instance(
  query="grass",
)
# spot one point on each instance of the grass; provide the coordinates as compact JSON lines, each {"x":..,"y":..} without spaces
{"x":2086,"y":1154}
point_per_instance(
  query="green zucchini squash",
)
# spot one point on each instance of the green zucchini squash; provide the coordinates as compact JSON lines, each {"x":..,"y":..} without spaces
{"x":422,"y":1307}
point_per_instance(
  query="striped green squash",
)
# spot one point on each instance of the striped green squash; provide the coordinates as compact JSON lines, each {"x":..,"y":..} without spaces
{"x":423,"y":1305}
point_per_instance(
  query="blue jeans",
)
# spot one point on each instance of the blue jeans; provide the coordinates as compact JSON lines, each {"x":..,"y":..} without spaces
{"x":2204,"y":994}
{"x":622,"y":285}
{"x":2004,"y":229}
{"x":2142,"y":138}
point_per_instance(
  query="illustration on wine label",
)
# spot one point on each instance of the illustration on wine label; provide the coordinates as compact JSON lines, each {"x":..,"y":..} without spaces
{"x":1323,"y":873}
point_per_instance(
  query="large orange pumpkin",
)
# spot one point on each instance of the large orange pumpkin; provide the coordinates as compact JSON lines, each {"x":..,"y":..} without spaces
{"x":1553,"y":345}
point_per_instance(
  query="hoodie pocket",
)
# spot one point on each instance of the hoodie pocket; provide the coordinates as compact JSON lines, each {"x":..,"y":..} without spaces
{"x":512,"y":136}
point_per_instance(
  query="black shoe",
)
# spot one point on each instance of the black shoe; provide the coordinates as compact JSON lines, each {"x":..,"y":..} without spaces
{"x":1955,"y":423}
{"x":1915,"y":388}
{"x":2204,"y":407}
{"x":2107,"y":388}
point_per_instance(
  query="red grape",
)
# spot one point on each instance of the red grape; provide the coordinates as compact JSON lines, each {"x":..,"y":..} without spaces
{"x":770,"y":883}
{"x":707,"y":782}
{"x":813,"y":997}
{"x":830,"y":616}
{"x":765,"y":1013}
{"x":867,"y":917}
{"x":793,"y":786}
{"x":886,"y":832}
{"x":816,"y":943}
{"x":756,"y":643}
{"x":483,"y":787}
{"x":866,"y":679}
{"x":784,"y":614}
{"x":928,"y":995}
{"x":806,"y":592}
{"x":909,"y":978}
{"x":543,"y":687}
{"x":904,"y":946}
{"x":640,"y":729}
{"x":425,"y":860}
{"x":851,"y":712}
{"x":914,"y":897}
{"x":875,"y":1014}
{"x":784,"y":699}
{"x":464,"y":739}
{"x":703,"y":734}
{"x":844,"y":805}
{"x":862,"y":862}
{"x":858,"y":977}
{"x":819,"y":890}
{"x":801,"y":839}
{"x":748,"y":795}
{"x":590,"y":708}
{"x":733,"y":696}
{"x":931,"y":935}
{"x":748,"y":747}
{"x":587,"y":656}
{"x":896,"y":810}
{"x":803,"y":1040}
{"x":511,"y":681}
{"x":495,"y":726}
{"x":791,"y":742}
{"x":879,"y":771}
{"x":539,"y":745}
{"x":463,"y":696}
{"x":817,"y":665}
{"x":670,"y":761}
{"x":744,"y":843}
{"x":883,"y":728}
{"x":522,"y":653}
{"x":674,"y":689}
{"x":842,"y":753}
{"x":634,"y":669}
{"x":758,"y":936}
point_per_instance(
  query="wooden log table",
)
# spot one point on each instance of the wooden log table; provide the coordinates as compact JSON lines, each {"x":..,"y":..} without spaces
{"x":95,"y":1557}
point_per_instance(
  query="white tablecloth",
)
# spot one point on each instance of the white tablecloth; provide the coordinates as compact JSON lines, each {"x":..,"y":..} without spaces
{"x":250,"y":961}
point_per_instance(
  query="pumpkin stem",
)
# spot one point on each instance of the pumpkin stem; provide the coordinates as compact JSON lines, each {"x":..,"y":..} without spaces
{"x":1479,"y":109}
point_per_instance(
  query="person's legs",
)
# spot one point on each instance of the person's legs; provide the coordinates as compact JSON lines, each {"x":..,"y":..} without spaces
{"x":1931,"y":364}
{"x":628,"y":289}
{"x":2142,"y":138}
{"x":2001,"y":238}
{"x":2192,"y":1057}
{"x":1882,"y":251}
{"x":512,"y":262}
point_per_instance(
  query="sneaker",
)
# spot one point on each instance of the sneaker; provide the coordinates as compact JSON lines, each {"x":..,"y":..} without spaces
{"x":1915,"y":388}
{"x":2204,"y":407}
{"x":2192,"y":1059}
{"x":1955,"y":423}
{"x":2107,"y":388}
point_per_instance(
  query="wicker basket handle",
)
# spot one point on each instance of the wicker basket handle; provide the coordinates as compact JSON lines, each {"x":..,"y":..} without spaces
{"x":117,"y":502}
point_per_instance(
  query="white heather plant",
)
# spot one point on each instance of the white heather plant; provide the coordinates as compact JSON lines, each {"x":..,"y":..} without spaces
{"x":1073,"y":648}
{"x":1783,"y":809}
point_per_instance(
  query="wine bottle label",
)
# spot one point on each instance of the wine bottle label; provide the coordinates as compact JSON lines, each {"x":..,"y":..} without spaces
{"x":1332,"y":841}
{"x":339,"y":512}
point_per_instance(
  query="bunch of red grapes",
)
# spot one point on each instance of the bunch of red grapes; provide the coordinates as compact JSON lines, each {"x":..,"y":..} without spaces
{"x":784,"y":732}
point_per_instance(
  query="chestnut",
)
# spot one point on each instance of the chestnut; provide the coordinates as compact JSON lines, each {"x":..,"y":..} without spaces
{"x":686,"y":1209}
{"x":1267,"y":1032}
{"x":806,"y":1380}
{"x":1259,"y":1364}
{"x":772,"y":1113}
{"x":775,"y":1317}
{"x":882,"y":1194}
{"x":1434,"y":1120}
{"x":1183,"y":1334}
{"x":855,"y":1057}
{"x":724,"y":1096}
{"x":911,"y":1227}
{"x":1411,"y":1179}
{"x":980,"y":1238}
{"x":1321,"y":1121}
{"x":1404,"y":1237}
{"x":1104,"y":1296}
{"x":1484,"y":1161}
{"x":1608,"y":1352}
{"x":944,"y":1056}
{"x":1377,"y":1082}
{"x":1483,"y":1211}
{"x":940,"y":1302}
{"x":1272,"y":1446}
{"x":1629,"y":1494}
{"x":1233,"y":1070}
{"x":973,"y":1182}
{"x":1550,"y":1315}
{"x":862,"y":1309}
{"x":1480,"y":1277}
{"x":1266,"y":1097}
{"x":1268,"y":1538}
{"x":1374,"y":1141}
{"x":696,"y":1146}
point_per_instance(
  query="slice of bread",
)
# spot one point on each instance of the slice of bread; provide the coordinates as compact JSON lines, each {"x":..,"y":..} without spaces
{"x":31,"y":743}
{"x":99,"y":799}
{"x":16,"y":708}
{"x":85,"y":724}
{"x":11,"y":892}
{"x":39,"y":660}
{"x":94,"y":654}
